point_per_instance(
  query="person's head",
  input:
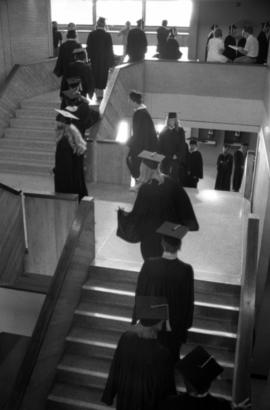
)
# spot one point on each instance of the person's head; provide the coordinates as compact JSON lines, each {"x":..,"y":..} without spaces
{"x":247,"y":31}
{"x":54,"y":25}
{"x":136,"y":97}
{"x":213,"y":27}
{"x":128,"y":24}
{"x":232,"y":29}
{"x":140,"y":24}
{"x":79,"y":54}
{"x":74,"y":83}
{"x":172,"y":121}
{"x":101,"y":22}
{"x":244,"y":147}
{"x":164,"y":23}
{"x":218,"y":33}
{"x":172,"y":235}
{"x":226,"y":148}
{"x":265,"y":27}
{"x":199,"y":369}
{"x":193,"y":145}
{"x":151,"y":311}
{"x":71,"y":34}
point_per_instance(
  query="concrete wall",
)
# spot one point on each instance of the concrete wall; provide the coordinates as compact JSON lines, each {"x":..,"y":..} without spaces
{"x":25,"y":33}
{"x":228,"y":12}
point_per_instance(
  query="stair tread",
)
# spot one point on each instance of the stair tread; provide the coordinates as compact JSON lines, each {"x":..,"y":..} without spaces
{"x":77,"y":393}
{"x":85,"y":364}
{"x":123,"y":314}
{"x":127,"y":289}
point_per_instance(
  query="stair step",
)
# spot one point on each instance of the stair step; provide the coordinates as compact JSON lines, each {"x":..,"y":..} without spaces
{"x":43,"y":104}
{"x":37,"y":112}
{"x":205,"y":291}
{"x":17,"y":144}
{"x":25,"y":168}
{"x":206,"y":316}
{"x":24,"y":155}
{"x":46,"y":135}
{"x":35,"y":123}
{"x":101,"y":342}
{"x":67,"y":396}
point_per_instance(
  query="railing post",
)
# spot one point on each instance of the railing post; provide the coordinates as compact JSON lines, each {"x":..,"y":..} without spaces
{"x":241,"y":381}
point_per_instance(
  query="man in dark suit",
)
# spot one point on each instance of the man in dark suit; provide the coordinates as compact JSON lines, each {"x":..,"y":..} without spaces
{"x":173,"y":279}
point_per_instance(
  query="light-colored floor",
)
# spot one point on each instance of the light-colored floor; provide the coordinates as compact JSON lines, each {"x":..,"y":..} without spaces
{"x":214,"y":251}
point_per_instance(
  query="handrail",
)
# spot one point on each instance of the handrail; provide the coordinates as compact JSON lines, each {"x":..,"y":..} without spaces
{"x":10,"y":189}
{"x":48,"y":307}
{"x":9,"y":78}
{"x":241,"y":380}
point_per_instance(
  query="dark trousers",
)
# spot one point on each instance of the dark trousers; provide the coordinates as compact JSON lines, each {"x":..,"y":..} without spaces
{"x":133,"y":163}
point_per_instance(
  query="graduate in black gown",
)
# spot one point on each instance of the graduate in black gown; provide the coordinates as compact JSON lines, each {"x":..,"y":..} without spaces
{"x":137,"y":43}
{"x":69,"y":156}
{"x":263,"y":39}
{"x":239,"y":163}
{"x":170,"y":50}
{"x":142,"y":372}
{"x":194,"y":165}
{"x":199,"y":369}
{"x":230,"y":41}
{"x":162,"y":35}
{"x":82,"y":69}
{"x":224,"y":169}
{"x":65,"y":55}
{"x":173,"y":279}
{"x":171,"y":143}
{"x":100,"y":53}
{"x":144,"y":136}
{"x":159,"y":199}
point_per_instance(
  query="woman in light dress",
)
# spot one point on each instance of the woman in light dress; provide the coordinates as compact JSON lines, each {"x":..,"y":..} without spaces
{"x":216,"y":48}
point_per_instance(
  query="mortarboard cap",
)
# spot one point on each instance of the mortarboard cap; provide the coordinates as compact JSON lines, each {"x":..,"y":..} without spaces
{"x":101,"y":21}
{"x":199,"y":368}
{"x":71,"y":26}
{"x":66,"y":115}
{"x":151,"y":309}
{"x":193,"y":141}
{"x":172,"y":115}
{"x":172,"y":230}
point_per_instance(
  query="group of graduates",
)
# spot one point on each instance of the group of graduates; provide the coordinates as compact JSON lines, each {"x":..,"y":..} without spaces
{"x":239,"y":46}
{"x":184,"y":164}
{"x":142,"y":373}
{"x":226,"y":163}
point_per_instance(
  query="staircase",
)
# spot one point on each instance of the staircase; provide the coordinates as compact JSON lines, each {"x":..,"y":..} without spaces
{"x":28,"y":145}
{"x":104,"y":312}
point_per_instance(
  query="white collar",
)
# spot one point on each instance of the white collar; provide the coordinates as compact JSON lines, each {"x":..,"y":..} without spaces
{"x":141,"y":107}
{"x":198,"y":395}
{"x":169,"y":255}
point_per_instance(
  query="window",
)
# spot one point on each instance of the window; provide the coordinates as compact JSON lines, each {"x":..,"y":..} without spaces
{"x":66,"y":11}
{"x":177,"y":12}
{"x":117,"y":12}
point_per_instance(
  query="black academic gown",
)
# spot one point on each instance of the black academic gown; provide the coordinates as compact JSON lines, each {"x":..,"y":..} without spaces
{"x":141,"y":374}
{"x":100,"y":52}
{"x":156,"y":203}
{"x":194,"y":169}
{"x":68,"y":171}
{"x":224,"y":172}
{"x":162,"y":35}
{"x":144,"y":138}
{"x":171,"y":50}
{"x":186,"y":402}
{"x":263,"y":48}
{"x":239,"y":162}
{"x":172,"y":142}
{"x":172,"y":279}
{"x":65,"y":57}
{"x":136,"y":44}
{"x":228,"y":51}
{"x":82,"y":70}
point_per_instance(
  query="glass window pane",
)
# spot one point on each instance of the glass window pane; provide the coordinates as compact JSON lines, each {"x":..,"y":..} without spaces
{"x":177,"y":12}
{"x":66,"y":11}
{"x":117,"y":12}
